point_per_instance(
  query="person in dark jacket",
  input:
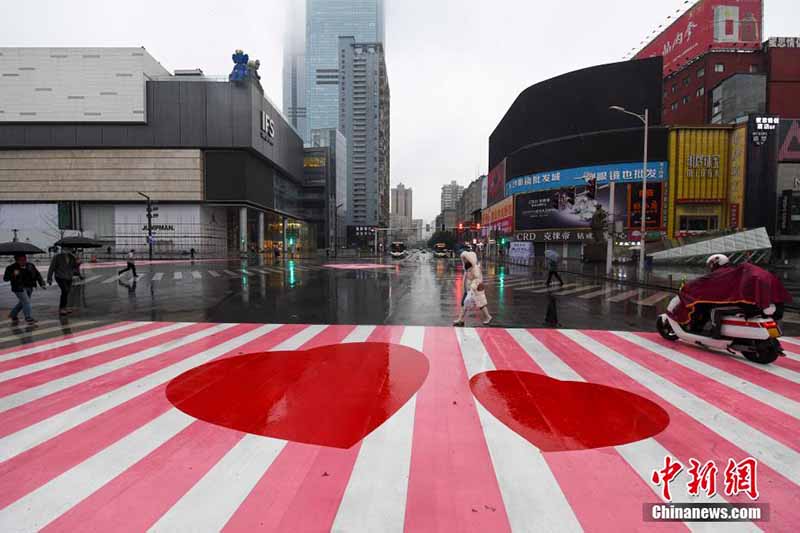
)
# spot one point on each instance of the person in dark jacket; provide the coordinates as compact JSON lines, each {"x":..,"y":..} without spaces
{"x":24,"y":277}
{"x":131,"y":265}
{"x":64,"y":266}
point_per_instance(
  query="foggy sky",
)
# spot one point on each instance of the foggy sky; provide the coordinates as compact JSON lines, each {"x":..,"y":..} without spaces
{"x":455,"y":66}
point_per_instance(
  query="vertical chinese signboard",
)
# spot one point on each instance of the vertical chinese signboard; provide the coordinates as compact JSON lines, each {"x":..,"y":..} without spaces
{"x":736,"y":170}
{"x":709,"y":24}
{"x":654,"y":206}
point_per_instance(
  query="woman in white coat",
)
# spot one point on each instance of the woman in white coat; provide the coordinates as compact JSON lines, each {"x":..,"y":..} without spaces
{"x":473,"y":289}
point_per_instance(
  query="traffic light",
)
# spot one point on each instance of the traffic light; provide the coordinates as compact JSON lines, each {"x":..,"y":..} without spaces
{"x":460,"y":226}
{"x":478,"y":226}
{"x":503,"y":241}
{"x":152,"y":210}
{"x":591,"y":187}
{"x":427,"y":228}
{"x":291,"y":241}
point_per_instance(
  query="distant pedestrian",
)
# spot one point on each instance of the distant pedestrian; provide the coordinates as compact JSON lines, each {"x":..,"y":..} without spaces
{"x":63,"y":267}
{"x":108,"y":249}
{"x":191,"y":253}
{"x":474,"y":294}
{"x":24,"y":277}
{"x":131,"y":265}
{"x":552,"y":259}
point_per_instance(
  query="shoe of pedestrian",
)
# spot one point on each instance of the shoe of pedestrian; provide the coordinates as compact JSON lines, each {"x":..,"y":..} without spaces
{"x":30,"y":321}
{"x":14,"y":320}
{"x":488,"y":321}
{"x":458,"y":324}
{"x":63,"y":312}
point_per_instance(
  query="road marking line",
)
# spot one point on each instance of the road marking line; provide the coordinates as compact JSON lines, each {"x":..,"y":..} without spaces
{"x":37,"y":332}
{"x":177,"y":275}
{"x":196,"y":275}
{"x":548,"y":289}
{"x":577,"y":290}
{"x":623,"y":296}
{"x":213,"y":273}
{"x":88,"y":280}
{"x":234,"y":274}
{"x":654,"y":299}
{"x":158,"y":276}
{"x":601,"y":292}
{"x":113,"y":278}
{"x":14,"y":354}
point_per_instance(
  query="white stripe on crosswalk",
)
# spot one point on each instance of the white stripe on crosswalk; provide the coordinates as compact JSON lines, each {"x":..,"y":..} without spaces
{"x":594,"y":294}
{"x":43,"y":505}
{"x":71,"y":340}
{"x":577,"y":290}
{"x":34,"y":393}
{"x":111,"y":279}
{"x":522,"y":472}
{"x":158,"y":276}
{"x":375,"y":497}
{"x":88,"y":280}
{"x":774,"y":454}
{"x":35,"y":434}
{"x":641,"y":455}
{"x":654,"y":298}
{"x":757,"y":392}
{"x":228,"y":272}
{"x":177,"y":275}
{"x":196,"y":274}
{"x":624,"y":296}
{"x":213,"y":273}
{"x":30,"y":334}
{"x":548,"y":289}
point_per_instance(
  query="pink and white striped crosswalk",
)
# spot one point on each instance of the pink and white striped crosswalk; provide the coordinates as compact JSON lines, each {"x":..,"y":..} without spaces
{"x":89,"y":440}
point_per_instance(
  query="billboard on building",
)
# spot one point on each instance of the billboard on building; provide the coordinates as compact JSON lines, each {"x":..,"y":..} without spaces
{"x":583,"y":176}
{"x":736,"y":172}
{"x":655,"y":194}
{"x":484,"y":192}
{"x":708,"y":25}
{"x":496,"y":183}
{"x":562,"y":214}
{"x":498,"y":219}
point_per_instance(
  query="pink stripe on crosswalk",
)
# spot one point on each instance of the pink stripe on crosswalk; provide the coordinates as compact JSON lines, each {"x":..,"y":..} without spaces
{"x":452,"y":483}
{"x":43,"y":408}
{"x":759,"y":415}
{"x":583,"y":476}
{"x":685,"y":437}
{"x":302,"y":477}
{"x":145,"y":491}
{"x":733,"y":366}
{"x":31,"y":469}
{"x":41,"y":377}
{"x":790,"y":364}
{"x":77,"y":346}
{"x":77,"y":336}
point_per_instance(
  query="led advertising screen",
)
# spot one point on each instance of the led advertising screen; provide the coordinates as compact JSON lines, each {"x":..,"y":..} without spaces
{"x":567,"y":208}
{"x":581,"y":176}
{"x":708,"y":25}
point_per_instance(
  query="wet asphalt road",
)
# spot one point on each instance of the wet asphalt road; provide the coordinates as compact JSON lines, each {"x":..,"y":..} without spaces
{"x":418,"y":290}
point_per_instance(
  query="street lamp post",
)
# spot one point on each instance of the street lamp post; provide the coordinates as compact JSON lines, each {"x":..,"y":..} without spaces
{"x":150,"y":216}
{"x":645,"y":120}
{"x":336,"y":231}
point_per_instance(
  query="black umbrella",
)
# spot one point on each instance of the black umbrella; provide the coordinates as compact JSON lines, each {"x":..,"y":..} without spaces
{"x":16,"y":247}
{"x":79,"y":242}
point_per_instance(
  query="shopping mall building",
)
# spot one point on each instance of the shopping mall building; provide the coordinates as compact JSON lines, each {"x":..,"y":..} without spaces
{"x":84,"y":131}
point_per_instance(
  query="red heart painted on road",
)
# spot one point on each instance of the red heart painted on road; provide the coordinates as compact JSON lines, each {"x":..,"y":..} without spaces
{"x":330,"y":396}
{"x":557,"y":416}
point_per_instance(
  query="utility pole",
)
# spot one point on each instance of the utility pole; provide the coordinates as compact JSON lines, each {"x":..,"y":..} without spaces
{"x":150,"y":216}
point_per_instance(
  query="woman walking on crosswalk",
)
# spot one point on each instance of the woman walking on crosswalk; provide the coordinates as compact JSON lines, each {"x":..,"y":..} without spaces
{"x":474,"y":294}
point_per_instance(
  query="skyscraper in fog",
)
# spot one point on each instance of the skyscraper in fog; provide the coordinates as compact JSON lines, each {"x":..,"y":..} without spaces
{"x":294,"y":69}
{"x":326,"y":21}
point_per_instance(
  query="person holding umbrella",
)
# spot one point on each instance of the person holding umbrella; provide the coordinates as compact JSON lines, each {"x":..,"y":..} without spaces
{"x":552,"y":259}
{"x":24,"y":277}
{"x":63,"y":267}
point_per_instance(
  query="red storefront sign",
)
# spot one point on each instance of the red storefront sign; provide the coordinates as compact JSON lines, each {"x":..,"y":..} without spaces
{"x":709,"y":24}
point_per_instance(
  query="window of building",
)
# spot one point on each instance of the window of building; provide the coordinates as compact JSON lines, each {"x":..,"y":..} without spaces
{"x":698,"y":223}
{"x":686,"y":81}
{"x":701,"y":91}
{"x":753,"y":68}
{"x":674,"y":106}
{"x":719,"y":67}
{"x":701,"y":72}
{"x":685,"y":100}
{"x":66,"y":215}
{"x":674,"y":89}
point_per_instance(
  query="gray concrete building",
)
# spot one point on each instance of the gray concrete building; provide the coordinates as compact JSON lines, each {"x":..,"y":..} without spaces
{"x":84,"y":130}
{"x":451,"y":193}
{"x":364,"y":121}
{"x":294,"y":69}
{"x":402,"y":201}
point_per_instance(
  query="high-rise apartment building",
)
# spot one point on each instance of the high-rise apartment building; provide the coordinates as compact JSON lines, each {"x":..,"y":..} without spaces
{"x":364,"y":120}
{"x":451,"y":193}
{"x":402,"y":201}
{"x":294,"y":70}
{"x":326,"y":21}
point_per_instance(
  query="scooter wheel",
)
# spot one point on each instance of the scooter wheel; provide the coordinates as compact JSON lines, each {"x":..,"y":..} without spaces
{"x":665,"y":330}
{"x":765,"y":352}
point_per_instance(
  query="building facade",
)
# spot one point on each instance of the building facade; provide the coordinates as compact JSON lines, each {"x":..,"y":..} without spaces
{"x":222,"y":163}
{"x":294,"y":69}
{"x":326,"y":21}
{"x":364,"y":120}
{"x":402,"y":201}
{"x":337,"y":192}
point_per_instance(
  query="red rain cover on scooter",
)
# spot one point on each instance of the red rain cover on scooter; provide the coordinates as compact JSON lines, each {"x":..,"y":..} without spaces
{"x":742,"y":284}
